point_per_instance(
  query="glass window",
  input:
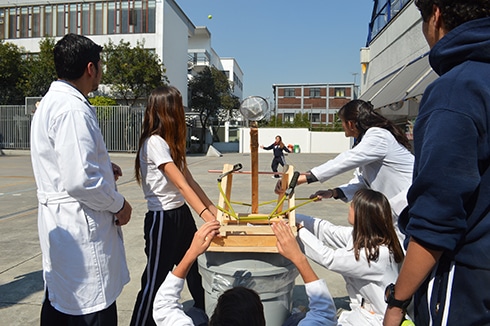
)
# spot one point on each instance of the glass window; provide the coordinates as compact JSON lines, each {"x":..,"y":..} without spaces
{"x":111,"y":18}
{"x":2,"y":24}
{"x":24,"y":22}
{"x":289,"y":92}
{"x":12,"y":23}
{"x":135,"y":17}
{"x":315,"y":117}
{"x":60,"y":20}
{"x":85,"y":19}
{"x":98,"y":21}
{"x":151,"y":17}
{"x":36,"y":22}
{"x":73,"y":22}
{"x":48,"y":20}
{"x":289,"y":117}
{"x":314,"y":92}
{"x":124,"y":9}
{"x":383,"y":13}
{"x":339,"y":92}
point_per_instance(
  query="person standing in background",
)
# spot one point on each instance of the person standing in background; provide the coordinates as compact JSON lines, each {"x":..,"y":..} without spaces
{"x":278,"y":148}
{"x":447,"y":264}
{"x":80,"y":211}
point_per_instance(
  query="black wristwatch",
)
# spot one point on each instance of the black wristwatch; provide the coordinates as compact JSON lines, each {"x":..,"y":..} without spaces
{"x":392,"y":302}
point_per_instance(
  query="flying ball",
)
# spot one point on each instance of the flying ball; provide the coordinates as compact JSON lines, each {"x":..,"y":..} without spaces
{"x":210,"y":16}
{"x":407,"y":322}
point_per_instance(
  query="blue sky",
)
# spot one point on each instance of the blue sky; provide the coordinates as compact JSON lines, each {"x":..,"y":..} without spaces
{"x":283,"y":41}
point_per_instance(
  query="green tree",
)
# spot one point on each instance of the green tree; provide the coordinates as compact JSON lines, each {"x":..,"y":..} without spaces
{"x":102,"y":101}
{"x":10,"y":74}
{"x":132,"y":73}
{"x":212,"y":98}
{"x":39,"y":71}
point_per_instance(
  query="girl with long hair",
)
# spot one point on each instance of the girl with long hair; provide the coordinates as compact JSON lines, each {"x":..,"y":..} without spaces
{"x":381,"y":158}
{"x":278,"y":148}
{"x":161,"y":170}
{"x":367,"y":254}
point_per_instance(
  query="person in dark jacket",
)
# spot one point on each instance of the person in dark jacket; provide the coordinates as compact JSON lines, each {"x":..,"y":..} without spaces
{"x":447,"y":264}
{"x":278,"y":148}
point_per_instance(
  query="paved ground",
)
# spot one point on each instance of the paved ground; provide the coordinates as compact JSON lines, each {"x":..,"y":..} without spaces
{"x":21,"y":284}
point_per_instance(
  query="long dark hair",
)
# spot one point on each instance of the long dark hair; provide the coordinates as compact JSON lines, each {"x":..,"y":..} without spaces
{"x":373,"y":225}
{"x":363,"y":115}
{"x":238,"y":306}
{"x":165,"y":117}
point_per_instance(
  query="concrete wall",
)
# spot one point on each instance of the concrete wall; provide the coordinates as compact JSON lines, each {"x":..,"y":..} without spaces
{"x":309,"y":142}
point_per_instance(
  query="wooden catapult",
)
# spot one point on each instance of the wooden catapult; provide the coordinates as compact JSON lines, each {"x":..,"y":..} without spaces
{"x":241,"y":232}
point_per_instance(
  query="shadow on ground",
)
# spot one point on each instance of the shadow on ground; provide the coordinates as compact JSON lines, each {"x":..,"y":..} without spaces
{"x":20,"y":288}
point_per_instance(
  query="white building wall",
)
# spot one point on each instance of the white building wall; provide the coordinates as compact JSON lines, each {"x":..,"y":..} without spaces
{"x":398,"y":44}
{"x":231,"y":65}
{"x":175,"y":35}
{"x":173,"y":49}
{"x":309,"y":142}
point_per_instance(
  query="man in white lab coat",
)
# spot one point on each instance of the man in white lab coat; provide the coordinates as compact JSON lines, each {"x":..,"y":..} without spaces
{"x":80,"y":211}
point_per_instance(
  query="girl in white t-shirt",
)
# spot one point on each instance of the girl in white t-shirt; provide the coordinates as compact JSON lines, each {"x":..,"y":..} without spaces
{"x":368,"y":255}
{"x":161,"y":170}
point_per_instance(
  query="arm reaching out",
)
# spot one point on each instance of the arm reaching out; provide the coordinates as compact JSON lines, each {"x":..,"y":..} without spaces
{"x":200,"y":242}
{"x":322,"y":308}
{"x":289,"y":248}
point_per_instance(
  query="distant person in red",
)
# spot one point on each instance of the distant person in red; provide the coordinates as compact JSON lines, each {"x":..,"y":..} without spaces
{"x":279,"y":148}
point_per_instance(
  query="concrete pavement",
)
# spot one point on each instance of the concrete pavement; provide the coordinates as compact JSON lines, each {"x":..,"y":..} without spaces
{"x":21,"y":283}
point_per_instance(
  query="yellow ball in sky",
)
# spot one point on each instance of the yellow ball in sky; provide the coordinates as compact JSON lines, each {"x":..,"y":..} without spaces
{"x":210,"y":16}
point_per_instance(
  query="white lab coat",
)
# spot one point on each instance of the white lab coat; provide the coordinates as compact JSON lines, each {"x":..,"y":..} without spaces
{"x":332,"y":247}
{"x":381,"y":164}
{"x":84,"y":263}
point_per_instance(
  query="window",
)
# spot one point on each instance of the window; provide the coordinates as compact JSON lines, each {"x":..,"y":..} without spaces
{"x":339,"y":92}
{"x":314,"y":92}
{"x":289,"y":117}
{"x":315,"y":117}
{"x":289,"y":92}
{"x":36,"y":22}
{"x":2,"y":22}
{"x":48,"y":20}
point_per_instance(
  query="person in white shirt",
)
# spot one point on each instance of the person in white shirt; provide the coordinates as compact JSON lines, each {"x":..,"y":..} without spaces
{"x":368,"y":255}
{"x":239,"y":306}
{"x":80,"y":212}
{"x":381,"y":158}
{"x":161,"y":170}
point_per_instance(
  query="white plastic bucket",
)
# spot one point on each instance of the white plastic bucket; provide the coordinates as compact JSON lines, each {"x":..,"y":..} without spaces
{"x":269,"y":274}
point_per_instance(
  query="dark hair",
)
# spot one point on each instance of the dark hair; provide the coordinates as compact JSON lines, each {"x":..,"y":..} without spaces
{"x":363,"y":115}
{"x":73,"y":53}
{"x":454,"y":12}
{"x":281,"y":144}
{"x":373,"y":225}
{"x":238,"y":306}
{"x":165,"y":117}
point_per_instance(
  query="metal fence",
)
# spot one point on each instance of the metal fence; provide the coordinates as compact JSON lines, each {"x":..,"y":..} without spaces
{"x":120,"y":127}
